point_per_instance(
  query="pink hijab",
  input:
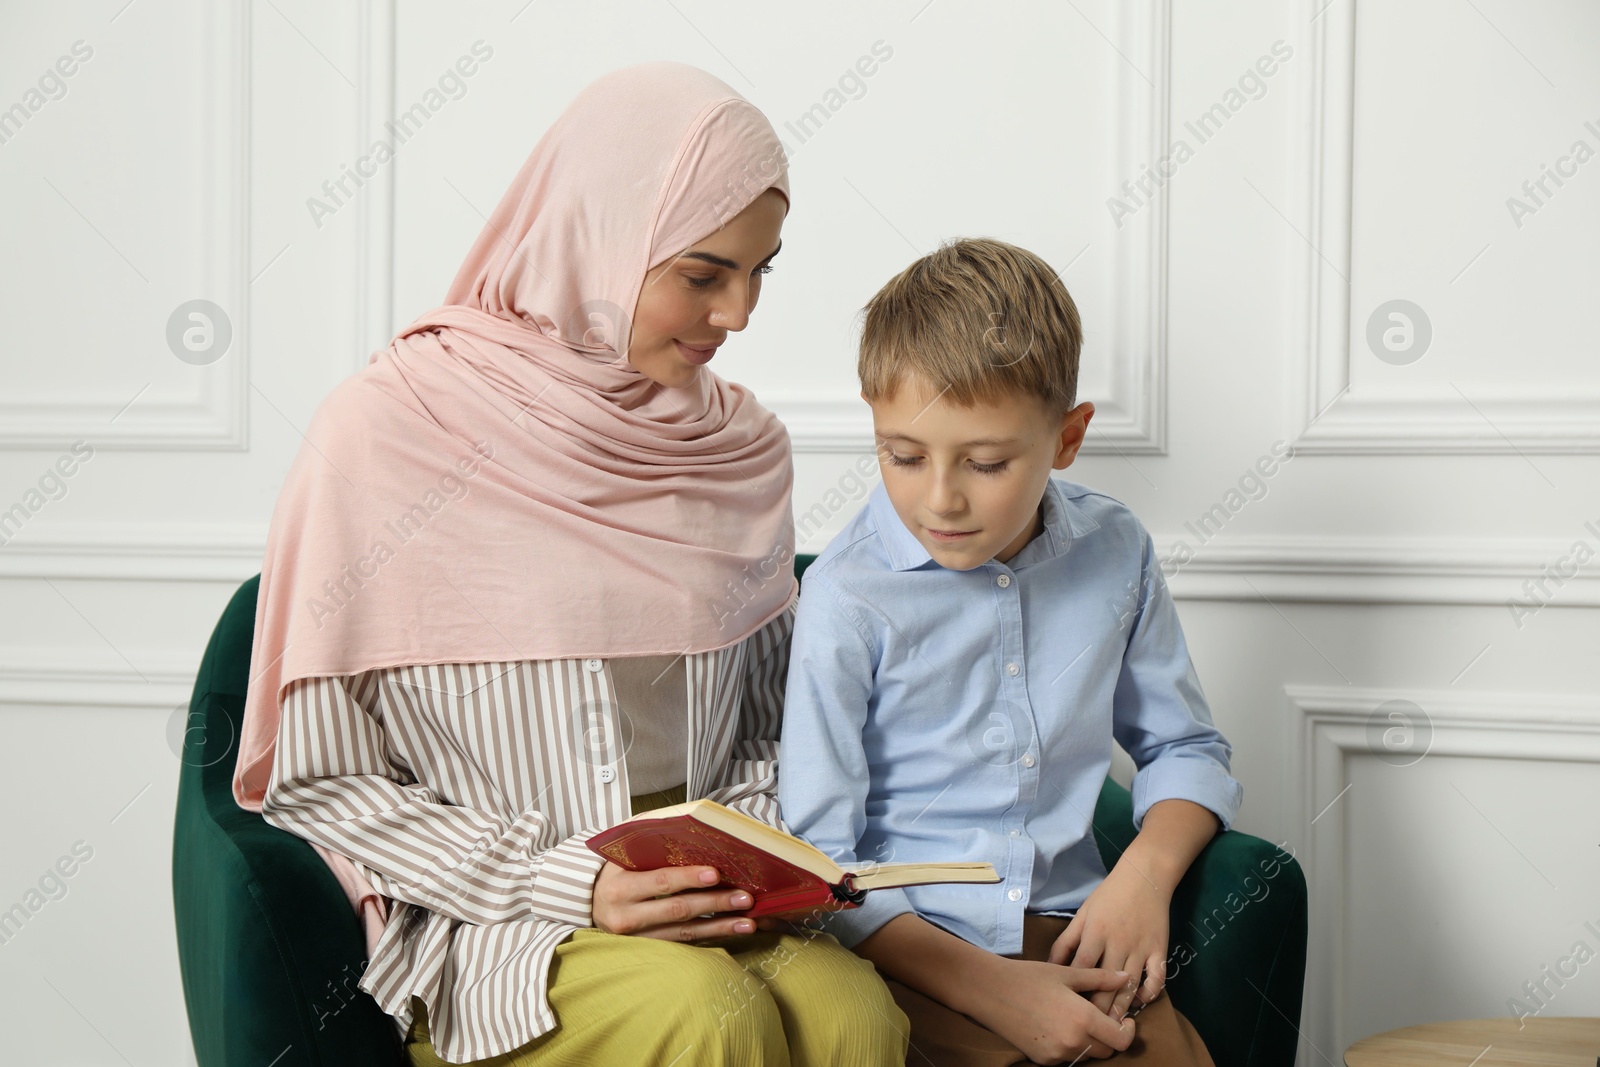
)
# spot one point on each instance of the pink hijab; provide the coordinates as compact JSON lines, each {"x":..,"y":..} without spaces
{"x":500,"y":483}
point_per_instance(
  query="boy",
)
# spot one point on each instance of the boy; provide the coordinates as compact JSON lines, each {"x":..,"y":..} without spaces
{"x":964,"y":654}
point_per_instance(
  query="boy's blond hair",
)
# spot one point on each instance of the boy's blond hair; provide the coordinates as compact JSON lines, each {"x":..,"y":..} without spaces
{"x":977,"y":320}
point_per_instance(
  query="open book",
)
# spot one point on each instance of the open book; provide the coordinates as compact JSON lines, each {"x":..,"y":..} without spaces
{"x":783,"y":874}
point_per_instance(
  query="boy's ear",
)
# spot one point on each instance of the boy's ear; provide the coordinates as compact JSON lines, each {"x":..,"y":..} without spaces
{"x":1074,"y":426}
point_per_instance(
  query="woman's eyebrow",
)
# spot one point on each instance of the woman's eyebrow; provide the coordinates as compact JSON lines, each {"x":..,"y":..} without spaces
{"x":722,"y":261}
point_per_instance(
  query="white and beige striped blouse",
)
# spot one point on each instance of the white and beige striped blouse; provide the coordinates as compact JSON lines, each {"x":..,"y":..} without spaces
{"x":464,"y":794}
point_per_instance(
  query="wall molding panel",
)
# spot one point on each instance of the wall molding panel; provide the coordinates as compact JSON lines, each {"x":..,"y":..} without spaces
{"x":1328,"y":415}
{"x":215,"y":417}
{"x":1484,"y":573}
{"x":1130,"y":420}
{"x":1331,"y":724}
{"x":136,"y":552}
{"x":1365,"y":570}
{"x":73,"y":684}
{"x":375,"y":106}
{"x":1133,"y":419}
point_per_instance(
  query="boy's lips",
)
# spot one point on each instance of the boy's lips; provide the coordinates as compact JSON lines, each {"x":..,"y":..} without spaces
{"x":948,"y":535}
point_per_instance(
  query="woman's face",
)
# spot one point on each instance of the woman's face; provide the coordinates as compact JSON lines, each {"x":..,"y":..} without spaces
{"x":690,"y":302}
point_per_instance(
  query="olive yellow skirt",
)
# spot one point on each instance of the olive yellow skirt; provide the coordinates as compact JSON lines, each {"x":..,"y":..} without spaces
{"x":771,"y":999}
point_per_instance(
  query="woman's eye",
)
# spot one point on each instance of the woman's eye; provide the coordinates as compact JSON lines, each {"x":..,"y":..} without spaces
{"x":700,"y":283}
{"x":765,"y":269}
{"x":902,"y":461}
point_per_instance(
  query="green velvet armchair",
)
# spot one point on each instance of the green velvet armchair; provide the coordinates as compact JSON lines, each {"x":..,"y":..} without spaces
{"x":270,"y":950}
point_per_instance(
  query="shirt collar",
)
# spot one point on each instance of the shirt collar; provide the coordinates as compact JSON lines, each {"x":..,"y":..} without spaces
{"x":1063,"y":521}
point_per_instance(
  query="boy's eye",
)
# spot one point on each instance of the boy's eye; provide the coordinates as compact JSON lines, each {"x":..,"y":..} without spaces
{"x":912,"y":461}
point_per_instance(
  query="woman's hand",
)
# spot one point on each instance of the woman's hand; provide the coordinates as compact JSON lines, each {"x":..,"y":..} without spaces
{"x":670,"y":903}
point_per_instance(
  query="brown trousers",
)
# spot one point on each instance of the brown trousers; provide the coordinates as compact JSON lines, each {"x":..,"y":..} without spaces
{"x":941,"y":1037}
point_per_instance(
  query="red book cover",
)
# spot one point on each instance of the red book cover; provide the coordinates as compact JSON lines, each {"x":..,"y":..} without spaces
{"x":777,"y":886}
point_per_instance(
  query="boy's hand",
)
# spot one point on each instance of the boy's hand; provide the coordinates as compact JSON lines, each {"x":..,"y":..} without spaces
{"x":1123,"y":926}
{"x":1040,"y":1008}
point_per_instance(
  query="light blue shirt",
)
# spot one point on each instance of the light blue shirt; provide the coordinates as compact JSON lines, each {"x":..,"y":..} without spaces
{"x":943,"y":715}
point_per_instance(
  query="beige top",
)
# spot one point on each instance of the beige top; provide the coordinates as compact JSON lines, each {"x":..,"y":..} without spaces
{"x":464,"y":794}
{"x":655,"y":721}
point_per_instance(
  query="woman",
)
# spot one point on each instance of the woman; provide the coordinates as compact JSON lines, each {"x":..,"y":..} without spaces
{"x":499,"y":613}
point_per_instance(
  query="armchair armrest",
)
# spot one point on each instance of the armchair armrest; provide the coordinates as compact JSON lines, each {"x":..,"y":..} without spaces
{"x":268,"y":947}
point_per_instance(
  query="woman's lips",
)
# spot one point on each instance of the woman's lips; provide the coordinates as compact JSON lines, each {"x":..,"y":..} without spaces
{"x":696,"y":355}
{"x":948,"y":536}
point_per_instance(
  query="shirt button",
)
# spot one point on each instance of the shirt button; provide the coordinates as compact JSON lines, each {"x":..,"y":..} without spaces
{"x":1012,"y":669}
{"x":1027,"y":761}
{"x":606,"y":775}
{"x":1013,"y":894}
{"x":593,"y":665}
{"x":1003,"y":581}
{"x":1016,"y":833}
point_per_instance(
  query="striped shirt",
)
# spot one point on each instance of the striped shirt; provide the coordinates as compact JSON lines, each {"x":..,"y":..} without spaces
{"x":464,"y":794}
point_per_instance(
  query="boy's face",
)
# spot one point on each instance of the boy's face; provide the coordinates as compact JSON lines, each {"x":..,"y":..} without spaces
{"x":967,"y":481}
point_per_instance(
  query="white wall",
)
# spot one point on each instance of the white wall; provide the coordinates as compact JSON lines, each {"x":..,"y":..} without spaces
{"x":1227,"y":313}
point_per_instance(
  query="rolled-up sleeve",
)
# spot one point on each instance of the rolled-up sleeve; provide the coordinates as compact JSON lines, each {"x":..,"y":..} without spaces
{"x":1160,"y":715}
{"x":855,"y":925}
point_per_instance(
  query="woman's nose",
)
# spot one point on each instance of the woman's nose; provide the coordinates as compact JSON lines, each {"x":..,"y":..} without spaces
{"x":732,"y":308}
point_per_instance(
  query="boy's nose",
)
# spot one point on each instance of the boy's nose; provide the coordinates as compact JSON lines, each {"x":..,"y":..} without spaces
{"x":945,"y":499}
